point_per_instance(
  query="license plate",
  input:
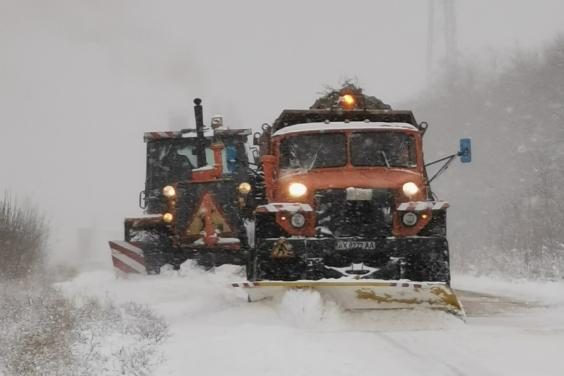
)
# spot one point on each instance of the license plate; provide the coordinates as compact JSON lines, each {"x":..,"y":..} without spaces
{"x":359,"y":194}
{"x":343,"y":245}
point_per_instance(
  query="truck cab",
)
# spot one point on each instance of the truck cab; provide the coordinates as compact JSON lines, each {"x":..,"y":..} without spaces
{"x":353,"y":170}
{"x":348,"y":195}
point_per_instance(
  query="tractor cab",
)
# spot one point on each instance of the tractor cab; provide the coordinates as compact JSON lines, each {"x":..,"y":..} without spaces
{"x":196,"y":198}
{"x":181,"y":156}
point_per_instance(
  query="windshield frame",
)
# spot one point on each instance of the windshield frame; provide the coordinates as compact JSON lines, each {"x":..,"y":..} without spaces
{"x":388,"y":158}
{"x":415,"y":135}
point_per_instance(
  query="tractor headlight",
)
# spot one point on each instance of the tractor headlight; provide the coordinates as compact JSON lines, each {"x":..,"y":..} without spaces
{"x":298,"y":220}
{"x":410,"y":188}
{"x":244,"y":188}
{"x":297,"y":190}
{"x":409,"y":219}
{"x":169,"y":191}
{"x":167,"y":218}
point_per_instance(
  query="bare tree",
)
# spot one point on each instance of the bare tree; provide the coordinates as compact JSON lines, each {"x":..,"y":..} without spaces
{"x":23,"y":237}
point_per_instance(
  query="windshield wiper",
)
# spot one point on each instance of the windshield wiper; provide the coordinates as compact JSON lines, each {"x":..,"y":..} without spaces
{"x":314,"y":158}
{"x":383,"y":153}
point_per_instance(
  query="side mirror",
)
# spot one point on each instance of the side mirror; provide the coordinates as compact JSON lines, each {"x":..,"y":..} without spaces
{"x":465,"y":152}
{"x":142,"y":200}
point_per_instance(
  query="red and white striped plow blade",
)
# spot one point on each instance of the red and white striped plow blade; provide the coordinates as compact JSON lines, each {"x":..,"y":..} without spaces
{"x":366,"y":294}
{"x":127,"y":258}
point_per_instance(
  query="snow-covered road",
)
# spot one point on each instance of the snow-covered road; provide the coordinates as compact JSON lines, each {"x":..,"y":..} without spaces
{"x":515,"y":329}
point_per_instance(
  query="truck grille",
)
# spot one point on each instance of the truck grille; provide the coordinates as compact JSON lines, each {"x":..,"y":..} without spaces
{"x":367,"y":217}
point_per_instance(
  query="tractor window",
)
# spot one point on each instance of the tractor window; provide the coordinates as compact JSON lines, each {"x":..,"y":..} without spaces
{"x":171,"y":161}
{"x":313,"y":151}
{"x":188,"y":152}
{"x":387,"y":149}
{"x":229,"y":157}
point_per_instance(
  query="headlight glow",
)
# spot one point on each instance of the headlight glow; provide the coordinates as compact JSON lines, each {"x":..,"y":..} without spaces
{"x":297,"y":189}
{"x":348,"y":100}
{"x":169,"y":191}
{"x":244,"y":188}
{"x":410,"y":188}
{"x":167,"y":217}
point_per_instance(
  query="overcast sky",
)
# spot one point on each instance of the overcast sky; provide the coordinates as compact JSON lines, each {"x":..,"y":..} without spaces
{"x":81,"y":80}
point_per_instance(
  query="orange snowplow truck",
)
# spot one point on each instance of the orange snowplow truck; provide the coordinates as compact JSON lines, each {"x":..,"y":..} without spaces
{"x":349,"y":205}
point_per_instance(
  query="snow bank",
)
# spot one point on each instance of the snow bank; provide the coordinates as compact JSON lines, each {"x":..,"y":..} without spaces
{"x":189,"y":292}
{"x":215,"y":331}
{"x":193,"y":293}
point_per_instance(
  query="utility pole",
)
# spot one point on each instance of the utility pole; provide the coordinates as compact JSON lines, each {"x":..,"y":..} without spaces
{"x":450,"y":33}
{"x":442,"y":48}
{"x":430,"y":40}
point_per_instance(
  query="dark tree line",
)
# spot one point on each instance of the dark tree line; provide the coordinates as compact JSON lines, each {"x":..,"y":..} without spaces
{"x":44,"y":332}
{"x":508,"y":207}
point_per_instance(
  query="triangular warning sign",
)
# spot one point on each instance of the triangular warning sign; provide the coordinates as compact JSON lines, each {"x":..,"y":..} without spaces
{"x":281,"y":250}
{"x":207,"y":217}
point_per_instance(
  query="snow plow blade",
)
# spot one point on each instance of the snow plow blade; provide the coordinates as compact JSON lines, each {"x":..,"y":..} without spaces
{"x":367,"y":294}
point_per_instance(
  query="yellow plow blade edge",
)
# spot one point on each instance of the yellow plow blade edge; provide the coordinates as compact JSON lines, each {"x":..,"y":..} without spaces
{"x":366,"y":294}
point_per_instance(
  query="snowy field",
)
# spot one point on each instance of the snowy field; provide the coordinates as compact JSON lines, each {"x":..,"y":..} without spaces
{"x":512,"y":328}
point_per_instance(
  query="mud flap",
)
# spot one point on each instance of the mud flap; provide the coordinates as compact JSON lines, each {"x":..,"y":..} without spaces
{"x":366,"y":294}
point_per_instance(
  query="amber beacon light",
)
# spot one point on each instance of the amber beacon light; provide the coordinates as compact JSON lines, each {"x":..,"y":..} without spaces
{"x":348,"y":101}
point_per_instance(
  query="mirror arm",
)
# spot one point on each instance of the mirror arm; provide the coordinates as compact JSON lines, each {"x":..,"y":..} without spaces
{"x":444,"y":167}
{"x":443,"y":159}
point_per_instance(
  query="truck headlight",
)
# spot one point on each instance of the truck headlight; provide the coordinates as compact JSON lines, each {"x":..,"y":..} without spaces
{"x":169,"y":191}
{"x":298,"y":220}
{"x":410,"y":188}
{"x":297,"y":190}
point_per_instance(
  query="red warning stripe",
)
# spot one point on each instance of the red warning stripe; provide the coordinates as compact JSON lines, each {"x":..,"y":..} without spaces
{"x":132,"y":255}
{"x":160,"y":135}
{"x":118,"y":264}
{"x":422,"y":205}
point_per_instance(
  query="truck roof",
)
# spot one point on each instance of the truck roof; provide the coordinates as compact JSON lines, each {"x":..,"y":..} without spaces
{"x":343,"y":126}
{"x":292,"y":117}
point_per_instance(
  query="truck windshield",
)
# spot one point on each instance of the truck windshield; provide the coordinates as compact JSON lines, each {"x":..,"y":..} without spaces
{"x":387,"y":149}
{"x":313,"y":151}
